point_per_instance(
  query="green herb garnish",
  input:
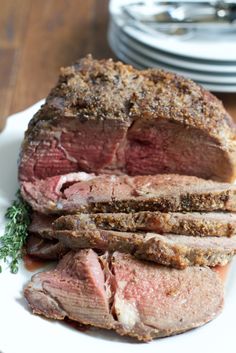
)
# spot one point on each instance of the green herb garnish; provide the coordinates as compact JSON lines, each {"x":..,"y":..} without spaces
{"x":16,"y":231}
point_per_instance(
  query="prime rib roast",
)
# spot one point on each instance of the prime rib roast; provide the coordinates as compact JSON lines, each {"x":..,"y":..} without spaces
{"x":128,"y":176}
{"x":106,"y":117}
{"x":135,"y":298}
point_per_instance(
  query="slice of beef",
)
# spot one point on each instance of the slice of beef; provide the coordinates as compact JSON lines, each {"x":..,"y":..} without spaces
{"x":41,"y":224}
{"x":75,"y":289}
{"x":168,"y":249}
{"x":44,"y":248}
{"x":82,"y":231}
{"x":135,"y":298}
{"x":82,"y":192}
{"x":191,"y":223}
{"x":104,"y":116}
{"x":166,"y":301}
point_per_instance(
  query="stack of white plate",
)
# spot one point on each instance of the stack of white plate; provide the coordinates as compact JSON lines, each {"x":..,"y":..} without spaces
{"x":208,"y":58}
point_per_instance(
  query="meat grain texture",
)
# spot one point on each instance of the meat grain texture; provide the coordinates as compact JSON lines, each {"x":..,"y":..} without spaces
{"x":134,"y":298}
{"x":128,"y":121}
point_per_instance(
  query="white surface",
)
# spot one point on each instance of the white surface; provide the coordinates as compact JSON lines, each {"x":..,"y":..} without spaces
{"x":22,"y":332}
{"x":202,"y":45}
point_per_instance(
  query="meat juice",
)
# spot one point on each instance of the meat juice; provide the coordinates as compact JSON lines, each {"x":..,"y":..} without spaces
{"x":31,"y":263}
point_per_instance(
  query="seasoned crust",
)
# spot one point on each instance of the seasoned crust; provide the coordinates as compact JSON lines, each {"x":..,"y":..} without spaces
{"x":104,"y":89}
{"x":134,"y":119}
{"x":109,"y":193}
{"x":196,"y":224}
{"x":178,"y":251}
{"x":141,"y":122}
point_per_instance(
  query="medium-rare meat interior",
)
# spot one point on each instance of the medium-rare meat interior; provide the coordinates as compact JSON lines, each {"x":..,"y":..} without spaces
{"x":135,"y":298}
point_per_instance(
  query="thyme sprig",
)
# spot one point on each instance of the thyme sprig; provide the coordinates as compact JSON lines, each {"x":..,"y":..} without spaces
{"x":16,"y":231}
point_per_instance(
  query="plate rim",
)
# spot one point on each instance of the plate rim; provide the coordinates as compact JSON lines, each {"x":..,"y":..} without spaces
{"x":114,"y":8}
{"x":178,"y":61}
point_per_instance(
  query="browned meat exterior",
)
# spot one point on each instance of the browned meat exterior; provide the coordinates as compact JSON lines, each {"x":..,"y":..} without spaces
{"x":44,"y":248}
{"x":104,"y":116}
{"x":192,"y":223}
{"x":135,"y":298}
{"x":178,"y":251}
{"x":82,"y":231}
{"x":82,"y":192}
{"x":96,"y":231}
{"x":41,"y":224}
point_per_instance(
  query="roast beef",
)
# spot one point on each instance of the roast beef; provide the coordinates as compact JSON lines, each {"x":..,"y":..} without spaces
{"x":191,"y":223}
{"x":134,"y":298}
{"x":107,"y":117}
{"x":44,"y":248}
{"x":82,"y":192}
{"x":91,"y":232}
{"x":168,"y":249}
{"x":41,"y":224}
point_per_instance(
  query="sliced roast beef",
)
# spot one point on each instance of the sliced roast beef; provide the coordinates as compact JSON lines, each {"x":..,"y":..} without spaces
{"x":135,"y":298}
{"x":168,"y":249}
{"x":82,"y":192}
{"x":190,"y":223}
{"x":44,"y":248}
{"x":82,"y":231}
{"x":104,"y":116}
{"x":41,"y":224}
{"x":75,"y":289}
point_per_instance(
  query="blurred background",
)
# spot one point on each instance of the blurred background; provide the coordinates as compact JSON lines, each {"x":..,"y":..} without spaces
{"x":37,"y":37}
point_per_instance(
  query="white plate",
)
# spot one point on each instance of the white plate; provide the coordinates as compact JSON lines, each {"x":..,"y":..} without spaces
{"x":217,"y":84}
{"x":165,"y":57}
{"x":202,"y":45}
{"x":22,"y":332}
